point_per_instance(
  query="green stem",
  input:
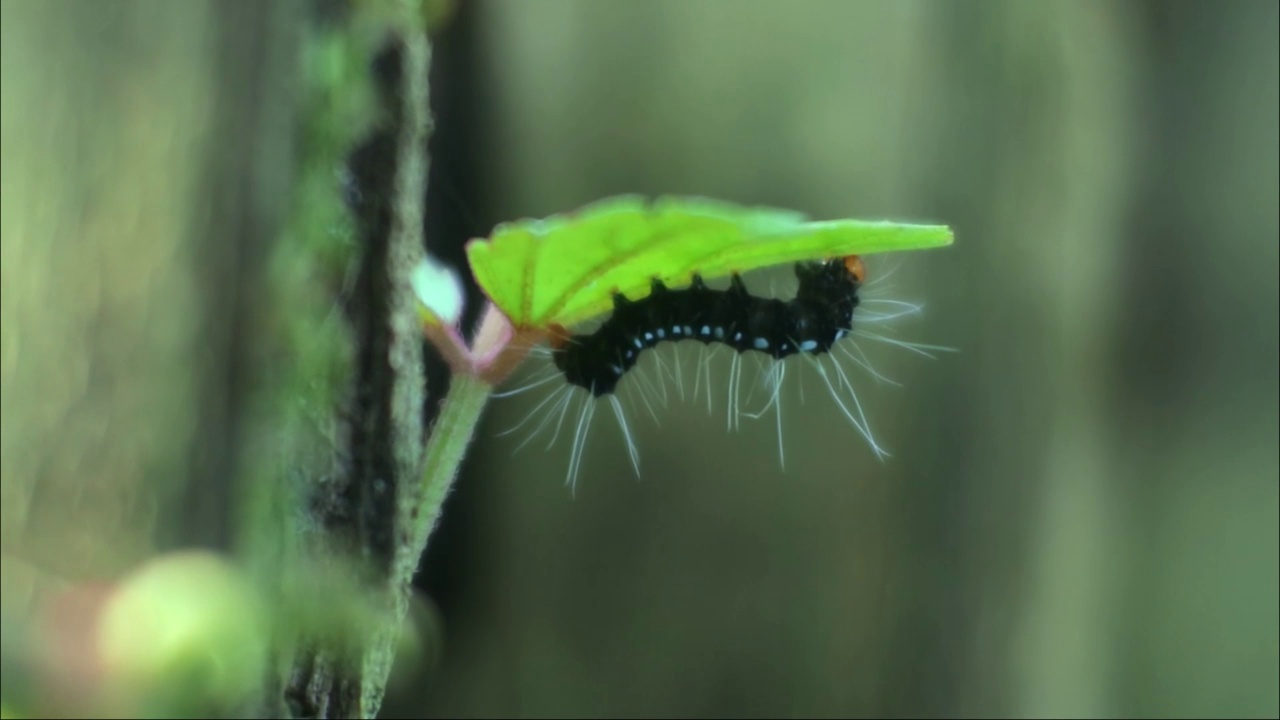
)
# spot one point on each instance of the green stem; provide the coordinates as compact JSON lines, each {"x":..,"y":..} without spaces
{"x":419,"y":511}
{"x":448,"y":444}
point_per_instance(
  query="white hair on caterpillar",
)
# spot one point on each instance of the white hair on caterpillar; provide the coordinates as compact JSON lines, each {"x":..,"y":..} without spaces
{"x":634,"y":351}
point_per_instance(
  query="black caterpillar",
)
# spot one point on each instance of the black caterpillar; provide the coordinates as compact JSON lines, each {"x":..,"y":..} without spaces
{"x":820,"y":314}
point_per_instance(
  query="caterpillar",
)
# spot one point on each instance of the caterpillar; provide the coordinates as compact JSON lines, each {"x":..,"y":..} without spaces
{"x":820,"y":315}
{"x":812,"y":325}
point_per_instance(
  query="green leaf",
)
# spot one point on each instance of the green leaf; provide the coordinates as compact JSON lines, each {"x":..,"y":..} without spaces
{"x":564,"y":269}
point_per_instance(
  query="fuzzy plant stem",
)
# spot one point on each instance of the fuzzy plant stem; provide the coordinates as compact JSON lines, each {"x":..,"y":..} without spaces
{"x":419,"y":502}
{"x":450,"y":438}
{"x":419,"y":511}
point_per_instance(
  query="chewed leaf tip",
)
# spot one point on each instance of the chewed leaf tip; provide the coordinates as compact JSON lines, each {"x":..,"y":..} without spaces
{"x":439,"y":291}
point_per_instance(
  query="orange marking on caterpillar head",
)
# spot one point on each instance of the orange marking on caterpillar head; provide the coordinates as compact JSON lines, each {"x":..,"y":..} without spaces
{"x":856,"y":268}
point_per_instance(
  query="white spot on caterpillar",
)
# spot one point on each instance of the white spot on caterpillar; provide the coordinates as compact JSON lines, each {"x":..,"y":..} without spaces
{"x":760,"y":344}
{"x":617,"y":369}
{"x":639,"y":345}
{"x":661,"y":333}
{"x":737,"y":336}
{"x":706,"y":329}
{"x":675,"y":329}
{"x":840,"y":335}
{"x":808,"y":345}
{"x":719,"y":333}
{"x":648,"y":337}
{"x":688,"y":330}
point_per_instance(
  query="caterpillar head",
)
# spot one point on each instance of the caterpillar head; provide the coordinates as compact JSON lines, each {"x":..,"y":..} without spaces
{"x":856,"y":268}
{"x":832,"y":281}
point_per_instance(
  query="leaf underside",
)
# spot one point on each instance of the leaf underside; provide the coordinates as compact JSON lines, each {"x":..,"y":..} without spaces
{"x":565,"y":269}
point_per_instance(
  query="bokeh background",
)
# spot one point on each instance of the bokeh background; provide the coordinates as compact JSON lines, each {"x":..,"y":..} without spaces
{"x":1080,"y":516}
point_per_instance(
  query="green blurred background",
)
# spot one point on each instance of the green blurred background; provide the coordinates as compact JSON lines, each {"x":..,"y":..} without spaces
{"x":1081,"y":514}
